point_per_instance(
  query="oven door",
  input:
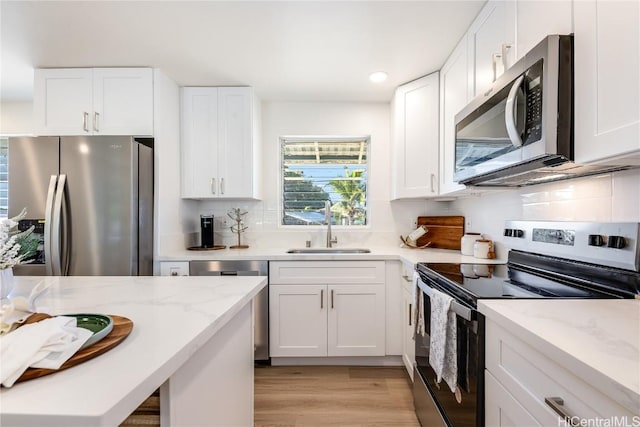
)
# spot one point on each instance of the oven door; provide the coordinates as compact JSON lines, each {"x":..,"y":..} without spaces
{"x":467,"y":409}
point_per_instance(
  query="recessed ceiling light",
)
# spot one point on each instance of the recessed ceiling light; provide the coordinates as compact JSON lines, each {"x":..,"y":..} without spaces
{"x":378,"y":77}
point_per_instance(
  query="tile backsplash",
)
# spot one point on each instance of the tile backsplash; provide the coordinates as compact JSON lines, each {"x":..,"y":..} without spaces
{"x":603,"y":198}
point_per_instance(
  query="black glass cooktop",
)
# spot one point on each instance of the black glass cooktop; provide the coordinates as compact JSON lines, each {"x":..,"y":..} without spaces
{"x":495,"y":281}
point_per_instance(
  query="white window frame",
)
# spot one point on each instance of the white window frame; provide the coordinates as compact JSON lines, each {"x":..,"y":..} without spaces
{"x":323,"y":138}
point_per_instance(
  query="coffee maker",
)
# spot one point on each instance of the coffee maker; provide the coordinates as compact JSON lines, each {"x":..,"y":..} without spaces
{"x":206,"y":231}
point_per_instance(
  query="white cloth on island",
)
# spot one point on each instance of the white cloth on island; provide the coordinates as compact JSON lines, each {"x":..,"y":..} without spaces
{"x":45,"y":344}
{"x":443,"y":355}
{"x":17,"y":308}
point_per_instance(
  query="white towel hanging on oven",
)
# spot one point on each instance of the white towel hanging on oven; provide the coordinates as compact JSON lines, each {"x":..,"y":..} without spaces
{"x":418,"y":303}
{"x":443,"y":356}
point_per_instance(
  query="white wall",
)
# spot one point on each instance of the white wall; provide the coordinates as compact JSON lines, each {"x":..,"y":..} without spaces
{"x":16,"y":118}
{"x":171,"y":212}
{"x":387,"y":220}
{"x":602,"y":198}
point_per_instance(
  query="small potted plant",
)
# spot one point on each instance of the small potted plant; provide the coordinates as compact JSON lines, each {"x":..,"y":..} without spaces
{"x":15,"y":248}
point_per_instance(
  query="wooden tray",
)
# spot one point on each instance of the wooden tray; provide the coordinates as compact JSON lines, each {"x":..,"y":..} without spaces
{"x":200,"y":248}
{"x":122,"y":327}
{"x":445,"y":232}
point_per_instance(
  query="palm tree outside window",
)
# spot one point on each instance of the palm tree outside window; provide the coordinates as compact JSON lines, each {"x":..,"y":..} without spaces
{"x":316,"y":169}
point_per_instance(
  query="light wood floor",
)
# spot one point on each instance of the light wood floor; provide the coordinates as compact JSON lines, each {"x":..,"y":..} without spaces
{"x":333,"y":396}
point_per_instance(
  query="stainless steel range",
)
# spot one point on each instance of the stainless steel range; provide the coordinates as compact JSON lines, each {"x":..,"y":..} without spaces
{"x":546,"y":260}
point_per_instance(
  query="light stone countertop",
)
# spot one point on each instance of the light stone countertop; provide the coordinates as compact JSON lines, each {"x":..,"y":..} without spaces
{"x":172,"y":317}
{"x":597,"y":340}
{"x":384,"y":253}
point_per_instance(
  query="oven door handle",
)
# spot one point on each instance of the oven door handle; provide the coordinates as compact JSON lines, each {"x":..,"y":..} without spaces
{"x":459,"y":309}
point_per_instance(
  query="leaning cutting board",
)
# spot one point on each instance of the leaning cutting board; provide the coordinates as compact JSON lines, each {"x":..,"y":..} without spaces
{"x":444,"y":232}
{"x":122,"y":327}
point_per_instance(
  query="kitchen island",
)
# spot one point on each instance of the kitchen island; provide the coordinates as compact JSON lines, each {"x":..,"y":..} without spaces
{"x":192,"y":338}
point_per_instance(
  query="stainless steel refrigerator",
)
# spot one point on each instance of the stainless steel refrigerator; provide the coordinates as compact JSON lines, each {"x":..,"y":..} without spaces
{"x":90,"y":200}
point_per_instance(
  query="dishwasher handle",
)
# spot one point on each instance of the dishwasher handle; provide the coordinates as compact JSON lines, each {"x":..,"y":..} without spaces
{"x":228,"y":273}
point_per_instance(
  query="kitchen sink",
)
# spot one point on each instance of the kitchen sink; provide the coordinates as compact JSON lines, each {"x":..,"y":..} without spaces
{"x":329,"y":251}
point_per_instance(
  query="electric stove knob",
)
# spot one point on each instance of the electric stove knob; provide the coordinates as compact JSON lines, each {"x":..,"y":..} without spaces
{"x":596,"y":240}
{"x":617,"y":242}
{"x":508,"y":232}
{"x":518,"y":233}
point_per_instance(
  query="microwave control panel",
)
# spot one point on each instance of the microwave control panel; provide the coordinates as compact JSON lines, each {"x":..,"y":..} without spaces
{"x":533,"y":103}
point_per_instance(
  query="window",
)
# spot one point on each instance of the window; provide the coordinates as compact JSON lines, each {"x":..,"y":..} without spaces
{"x":317,"y":169}
{"x":4,"y":177}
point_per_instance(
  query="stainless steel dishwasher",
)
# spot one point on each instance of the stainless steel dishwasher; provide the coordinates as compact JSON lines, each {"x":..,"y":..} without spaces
{"x":244,"y":268}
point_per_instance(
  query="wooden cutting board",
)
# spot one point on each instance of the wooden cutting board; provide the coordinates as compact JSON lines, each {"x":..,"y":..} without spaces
{"x":122,"y":327}
{"x":444,"y":232}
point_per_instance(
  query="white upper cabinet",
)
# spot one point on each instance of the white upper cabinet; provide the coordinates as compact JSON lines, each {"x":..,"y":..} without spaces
{"x":123,"y":101}
{"x":219,"y":143}
{"x":607,"y":80}
{"x":537,"y":19}
{"x":453,"y":98}
{"x":491,"y":40}
{"x":415,"y":138}
{"x":93,"y":101}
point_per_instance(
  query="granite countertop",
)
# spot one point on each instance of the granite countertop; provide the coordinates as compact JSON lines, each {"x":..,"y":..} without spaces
{"x":172,"y":316}
{"x":597,"y":340}
{"x":385,"y":253}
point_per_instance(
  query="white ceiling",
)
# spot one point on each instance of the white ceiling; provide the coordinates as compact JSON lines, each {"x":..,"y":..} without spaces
{"x":286,"y":50}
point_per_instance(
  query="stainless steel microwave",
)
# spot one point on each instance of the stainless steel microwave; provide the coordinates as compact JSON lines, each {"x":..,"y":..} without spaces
{"x":521,"y":129}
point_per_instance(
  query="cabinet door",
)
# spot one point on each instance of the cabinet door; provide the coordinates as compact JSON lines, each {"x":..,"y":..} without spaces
{"x":122,"y":101}
{"x":62,"y":101}
{"x":297,"y":320}
{"x":416,"y":119}
{"x":453,"y":98}
{"x":537,"y":19}
{"x":235,"y":168}
{"x":408,"y":342}
{"x":607,"y":82}
{"x":356,"y":320}
{"x":502,"y":409}
{"x":491,"y":34}
{"x":199,"y":145}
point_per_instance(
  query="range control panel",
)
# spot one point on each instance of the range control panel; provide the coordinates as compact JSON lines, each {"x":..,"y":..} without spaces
{"x":612,"y":244}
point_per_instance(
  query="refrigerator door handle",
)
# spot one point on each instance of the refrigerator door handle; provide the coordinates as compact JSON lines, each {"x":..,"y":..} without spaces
{"x":48,"y":220}
{"x":56,"y":226}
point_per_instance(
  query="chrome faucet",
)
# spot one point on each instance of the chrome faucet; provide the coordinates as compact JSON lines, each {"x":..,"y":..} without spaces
{"x":327,"y":219}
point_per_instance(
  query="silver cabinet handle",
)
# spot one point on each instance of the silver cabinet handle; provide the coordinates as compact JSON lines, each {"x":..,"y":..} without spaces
{"x":505,"y":48}
{"x":494,"y":64}
{"x":96,"y":122}
{"x":407,"y":278}
{"x":213,"y":186}
{"x":331,"y":298}
{"x":557,"y":404}
{"x":321,"y":299}
{"x":221,"y":185}
{"x":85,"y":121}
{"x":433,"y":176}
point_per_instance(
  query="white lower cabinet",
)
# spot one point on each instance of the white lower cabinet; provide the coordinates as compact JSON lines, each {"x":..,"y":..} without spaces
{"x":502,"y":409}
{"x":314,"y":311}
{"x":522,"y":384}
{"x":408,"y":342}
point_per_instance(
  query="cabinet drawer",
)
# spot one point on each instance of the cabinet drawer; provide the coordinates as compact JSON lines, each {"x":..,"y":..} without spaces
{"x":326,"y":272}
{"x":174,"y":268}
{"x":531,"y":377}
{"x":407,"y":276}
